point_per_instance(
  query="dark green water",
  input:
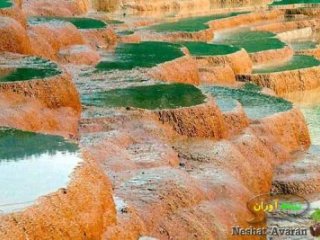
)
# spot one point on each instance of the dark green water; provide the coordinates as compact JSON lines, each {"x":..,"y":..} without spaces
{"x":252,"y":41}
{"x":160,"y":96}
{"x":144,"y":55}
{"x":29,"y":68}
{"x":80,"y":23}
{"x":5,"y":3}
{"x":33,"y":165}
{"x":206,"y":49}
{"x":193,"y":24}
{"x":255,"y":104}
{"x":285,"y":2}
{"x":297,"y":62}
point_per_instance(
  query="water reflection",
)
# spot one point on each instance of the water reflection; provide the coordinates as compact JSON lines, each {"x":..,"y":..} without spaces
{"x":32,"y":165}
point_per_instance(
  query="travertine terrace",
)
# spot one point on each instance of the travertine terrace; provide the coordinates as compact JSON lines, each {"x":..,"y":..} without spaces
{"x":180,"y":111}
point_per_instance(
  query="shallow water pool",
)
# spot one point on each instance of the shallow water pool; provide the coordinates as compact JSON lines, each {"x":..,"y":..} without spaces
{"x":5,"y":3}
{"x":160,"y":96}
{"x":144,"y":55}
{"x":207,"y":49}
{"x":255,"y":104}
{"x":251,"y":41}
{"x":33,"y":165}
{"x":193,"y":24}
{"x":297,"y":62}
{"x":27,"y":68}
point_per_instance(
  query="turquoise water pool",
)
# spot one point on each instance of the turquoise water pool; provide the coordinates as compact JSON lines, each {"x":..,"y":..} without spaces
{"x":285,"y":2}
{"x":143,"y":55}
{"x":193,"y":24}
{"x":251,"y":41}
{"x":5,"y":3}
{"x":297,"y":62}
{"x":28,"y":68}
{"x":255,"y":104}
{"x":160,"y":96}
{"x":33,"y":165}
{"x":207,"y":49}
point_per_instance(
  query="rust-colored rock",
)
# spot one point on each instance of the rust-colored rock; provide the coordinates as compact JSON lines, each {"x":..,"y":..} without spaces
{"x":287,"y":26}
{"x":246,"y":19}
{"x":239,"y":61}
{"x":14,"y":37}
{"x":203,"y":35}
{"x":100,"y":37}
{"x":58,"y":35}
{"x":58,"y":8}
{"x":287,"y":81}
{"x":219,"y":75}
{"x":272,"y":56}
{"x":208,"y":121}
{"x":80,"y":55}
{"x":182,"y":70}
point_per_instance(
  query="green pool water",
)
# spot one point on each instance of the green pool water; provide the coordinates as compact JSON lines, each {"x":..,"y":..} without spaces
{"x":160,"y":96}
{"x":285,"y":2}
{"x":144,"y":55}
{"x":193,"y":24}
{"x":251,"y":41}
{"x":5,"y":3}
{"x":255,"y":104}
{"x":80,"y":23}
{"x":28,"y":68}
{"x":33,"y":165}
{"x":303,"y":45}
{"x":297,"y":62}
{"x":206,"y":49}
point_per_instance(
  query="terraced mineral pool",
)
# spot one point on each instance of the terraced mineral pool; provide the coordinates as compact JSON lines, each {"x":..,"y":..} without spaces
{"x":251,"y":41}
{"x":27,"y":68}
{"x":193,"y":24}
{"x":32,"y":165}
{"x":5,"y":3}
{"x":80,"y":23}
{"x":206,"y":49}
{"x":255,"y":104}
{"x":144,"y":55}
{"x":303,"y":45}
{"x":285,"y":2}
{"x":297,"y":62}
{"x":160,"y":96}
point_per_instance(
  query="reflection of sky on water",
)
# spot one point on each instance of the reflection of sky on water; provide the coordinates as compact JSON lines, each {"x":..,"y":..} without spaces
{"x":32,"y":165}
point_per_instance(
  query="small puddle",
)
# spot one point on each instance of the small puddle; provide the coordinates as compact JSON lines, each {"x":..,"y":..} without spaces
{"x":33,"y":165}
{"x":160,"y":96}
